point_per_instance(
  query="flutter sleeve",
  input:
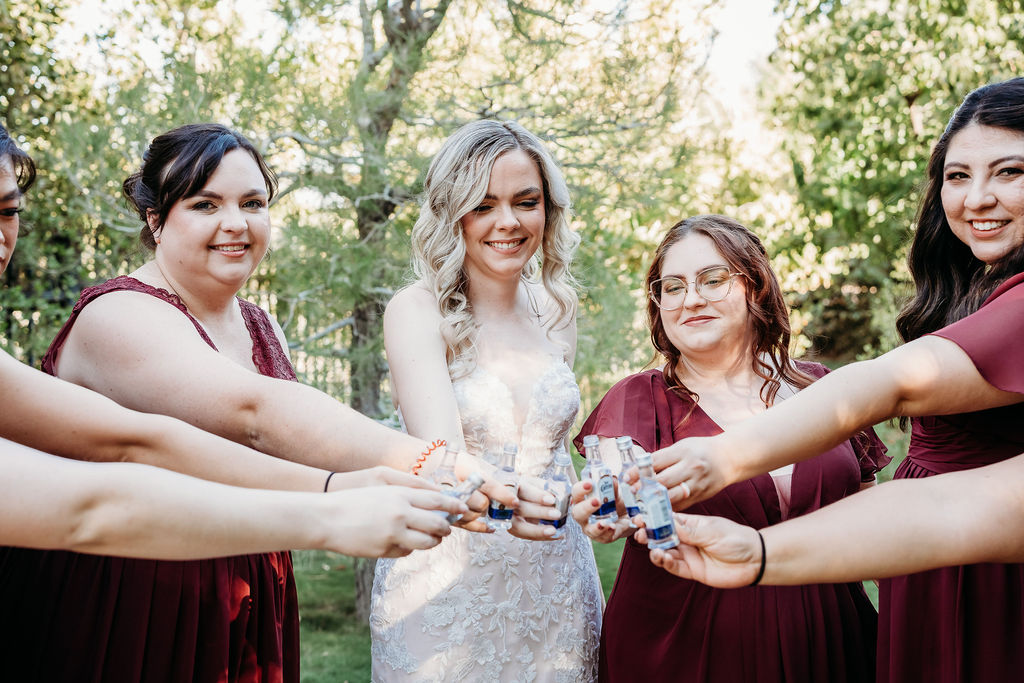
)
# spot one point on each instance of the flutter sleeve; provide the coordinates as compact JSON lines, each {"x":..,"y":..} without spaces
{"x":993,"y":336}
{"x":630,"y":408}
{"x":869,"y":449}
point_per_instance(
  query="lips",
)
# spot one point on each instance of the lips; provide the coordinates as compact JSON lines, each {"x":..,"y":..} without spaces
{"x":506,"y":245}
{"x":697,"y":319}
{"x":229,"y":248}
{"x":987,"y":226}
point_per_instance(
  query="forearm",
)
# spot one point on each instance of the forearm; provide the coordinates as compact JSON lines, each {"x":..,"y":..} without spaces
{"x":819,"y":417}
{"x":904,"y":526}
{"x":313,"y":428}
{"x":138,"y":511}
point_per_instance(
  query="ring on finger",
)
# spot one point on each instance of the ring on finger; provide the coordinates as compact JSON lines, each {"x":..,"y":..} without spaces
{"x":686,"y":487}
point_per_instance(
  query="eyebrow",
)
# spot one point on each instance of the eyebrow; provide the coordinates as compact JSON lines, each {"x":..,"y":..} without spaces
{"x":10,"y":196}
{"x":214,"y":195}
{"x":699,"y":272}
{"x":517,"y":195}
{"x":993,"y":164}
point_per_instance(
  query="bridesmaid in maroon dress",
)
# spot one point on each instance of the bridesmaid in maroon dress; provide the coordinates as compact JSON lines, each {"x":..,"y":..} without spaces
{"x":959,"y":376}
{"x":718,"y":318}
{"x":173,"y":338}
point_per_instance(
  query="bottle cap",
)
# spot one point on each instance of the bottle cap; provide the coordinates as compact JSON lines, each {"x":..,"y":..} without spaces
{"x":562,"y":457}
{"x":624,"y":442}
{"x":590,"y":441}
{"x":511,"y":448}
{"x":476,"y":479}
{"x":643,"y":459}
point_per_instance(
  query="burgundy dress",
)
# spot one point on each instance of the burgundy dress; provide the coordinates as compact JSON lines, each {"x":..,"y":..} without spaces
{"x":964,"y":624}
{"x":71,"y":617}
{"x":660,"y":627}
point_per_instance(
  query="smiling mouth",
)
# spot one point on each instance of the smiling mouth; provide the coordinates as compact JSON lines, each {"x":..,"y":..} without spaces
{"x":506,"y":246}
{"x":229,"y":247}
{"x":986,"y":226}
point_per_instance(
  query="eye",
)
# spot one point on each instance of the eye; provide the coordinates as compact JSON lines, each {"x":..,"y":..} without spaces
{"x":673,"y":286}
{"x":1010,"y":171}
{"x":255,"y":204}
{"x":955,"y":175}
{"x":483,"y":208}
{"x":529,"y":203}
{"x":203,"y":205}
{"x":11,"y":212}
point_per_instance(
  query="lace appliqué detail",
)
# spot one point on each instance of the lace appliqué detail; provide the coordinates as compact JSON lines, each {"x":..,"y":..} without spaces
{"x":492,"y":607}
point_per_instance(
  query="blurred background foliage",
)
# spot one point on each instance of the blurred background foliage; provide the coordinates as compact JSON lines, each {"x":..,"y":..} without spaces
{"x":348,"y":99}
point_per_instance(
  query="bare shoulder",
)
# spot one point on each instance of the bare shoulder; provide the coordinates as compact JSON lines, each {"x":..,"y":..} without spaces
{"x":415,"y":301}
{"x":562,"y":332}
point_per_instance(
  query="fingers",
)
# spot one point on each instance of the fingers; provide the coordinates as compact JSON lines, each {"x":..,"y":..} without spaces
{"x":521,"y":528}
{"x":532,"y":490}
{"x":476,"y":525}
{"x":499,"y":492}
{"x":430,"y":500}
{"x":393,"y":477}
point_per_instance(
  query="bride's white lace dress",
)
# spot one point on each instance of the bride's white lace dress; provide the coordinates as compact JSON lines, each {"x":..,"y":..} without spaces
{"x":492,"y":607}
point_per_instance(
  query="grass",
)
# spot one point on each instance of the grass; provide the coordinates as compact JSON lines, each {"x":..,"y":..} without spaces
{"x":336,"y":646}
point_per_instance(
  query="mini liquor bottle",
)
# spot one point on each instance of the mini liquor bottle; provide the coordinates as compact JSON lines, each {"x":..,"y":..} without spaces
{"x":498,"y":515}
{"x":625,"y":446}
{"x":444,"y":475}
{"x":655,"y":507}
{"x":561,"y":488}
{"x":604,"y":481}
{"x":461,"y":491}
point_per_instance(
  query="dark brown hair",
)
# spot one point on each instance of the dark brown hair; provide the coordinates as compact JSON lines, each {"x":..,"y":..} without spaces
{"x":24,"y":167}
{"x":769,"y":314}
{"x":950,"y":283}
{"x":178,"y":164}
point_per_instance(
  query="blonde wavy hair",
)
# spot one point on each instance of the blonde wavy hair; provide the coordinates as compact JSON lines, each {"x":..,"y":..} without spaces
{"x":456,"y":183}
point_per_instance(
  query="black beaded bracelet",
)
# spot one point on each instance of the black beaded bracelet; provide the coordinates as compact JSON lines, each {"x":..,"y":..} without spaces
{"x":760,"y":573}
{"x":328,"y":483}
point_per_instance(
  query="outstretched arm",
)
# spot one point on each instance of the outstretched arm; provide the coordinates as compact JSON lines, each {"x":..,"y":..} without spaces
{"x":928,"y":376}
{"x":958,"y":518}
{"x":138,"y":511}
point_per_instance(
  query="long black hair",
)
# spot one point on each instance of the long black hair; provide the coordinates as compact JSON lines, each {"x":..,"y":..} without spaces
{"x":950,"y":282}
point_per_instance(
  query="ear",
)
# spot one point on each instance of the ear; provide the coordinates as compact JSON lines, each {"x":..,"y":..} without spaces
{"x":152,"y":221}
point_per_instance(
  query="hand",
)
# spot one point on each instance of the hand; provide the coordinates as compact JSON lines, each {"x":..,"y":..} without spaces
{"x":481,"y":498}
{"x":712,"y":550}
{"x":582,"y":505}
{"x":387,"y":521}
{"x":691,"y":471}
{"x":535,"y":503}
{"x":379,"y":476}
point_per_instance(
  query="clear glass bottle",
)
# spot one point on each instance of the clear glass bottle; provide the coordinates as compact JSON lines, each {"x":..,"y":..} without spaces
{"x":461,"y":491}
{"x":655,"y":507}
{"x":499,"y":516}
{"x":560,"y":487}
{"x":604,"y":481}
{"x":444,"y":475}
{"x":625,"y":446}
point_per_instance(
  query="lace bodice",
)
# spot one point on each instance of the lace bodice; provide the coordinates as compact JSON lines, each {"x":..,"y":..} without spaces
{"x":488,"y":418}
{"x":492,"y":607}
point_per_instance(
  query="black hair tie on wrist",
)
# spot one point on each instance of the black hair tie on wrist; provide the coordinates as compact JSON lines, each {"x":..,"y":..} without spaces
{"x":328,"y":483}
{"x":760,"y":573}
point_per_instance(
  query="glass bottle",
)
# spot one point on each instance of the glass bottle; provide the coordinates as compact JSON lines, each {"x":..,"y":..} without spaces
{"x":499,"y":516}
{"x":625,"y":446}
{"x":461,"y":491}
{"x":560,"y":487}
{"x":444,"y":475}
{"x":655,"y":507}
{"x":604,"y":481}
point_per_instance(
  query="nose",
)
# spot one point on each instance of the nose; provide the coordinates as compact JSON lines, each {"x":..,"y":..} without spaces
{"x":979,"y":196}
{"x":233,"y":220}
{"x":692,"y":299}
{"x":506,"y":219}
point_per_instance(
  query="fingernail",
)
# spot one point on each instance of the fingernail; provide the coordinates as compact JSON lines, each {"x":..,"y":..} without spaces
{"x":549,"y":500}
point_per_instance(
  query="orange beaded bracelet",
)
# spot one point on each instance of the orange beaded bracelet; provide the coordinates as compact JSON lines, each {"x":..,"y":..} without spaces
{"x":434,"y":445}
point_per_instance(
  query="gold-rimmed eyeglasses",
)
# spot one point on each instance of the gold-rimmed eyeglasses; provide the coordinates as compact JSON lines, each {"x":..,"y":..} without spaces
{"x":713,"y":284}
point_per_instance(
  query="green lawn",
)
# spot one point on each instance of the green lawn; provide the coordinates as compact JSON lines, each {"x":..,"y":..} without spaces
{"x":336,"y":648}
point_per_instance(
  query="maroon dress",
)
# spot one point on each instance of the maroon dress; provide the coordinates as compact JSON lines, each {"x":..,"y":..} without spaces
{"x":660,"y":627}
{"x":71,"y":617}
{"x":964,"y":624}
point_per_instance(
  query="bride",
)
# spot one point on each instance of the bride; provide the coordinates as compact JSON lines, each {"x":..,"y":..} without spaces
{"x":482,"y":347}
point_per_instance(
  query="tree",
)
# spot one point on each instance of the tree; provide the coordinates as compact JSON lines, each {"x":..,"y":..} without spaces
{"x":862,"y":91}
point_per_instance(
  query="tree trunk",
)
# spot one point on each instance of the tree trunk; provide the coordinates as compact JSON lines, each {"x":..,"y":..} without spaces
{"x":364,"y":567}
